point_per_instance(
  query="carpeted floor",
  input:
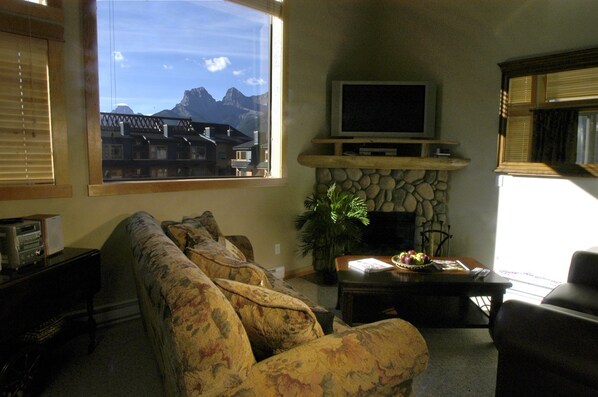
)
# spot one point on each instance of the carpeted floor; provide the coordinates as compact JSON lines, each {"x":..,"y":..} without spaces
{"x":462,"y":361}
{"x":121,"y":365}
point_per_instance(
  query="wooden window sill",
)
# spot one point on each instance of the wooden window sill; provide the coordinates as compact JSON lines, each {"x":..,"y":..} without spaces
{"x":20,"y":192}
{"x":541,"y":169}
{"x":160,"y":186}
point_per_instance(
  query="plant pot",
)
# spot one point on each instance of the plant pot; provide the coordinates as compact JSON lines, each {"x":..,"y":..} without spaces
{"x":323,"y":263}
{"x":322,"y":260}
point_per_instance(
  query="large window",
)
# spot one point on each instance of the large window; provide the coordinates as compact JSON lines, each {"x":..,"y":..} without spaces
{"x":33,"y":137}
{"x":549,"y":115}
{"x":179,"y":84}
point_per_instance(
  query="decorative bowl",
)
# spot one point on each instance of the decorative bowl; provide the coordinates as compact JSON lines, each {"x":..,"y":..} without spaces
{"x":419,"y":267}
{"x":412,"y":260}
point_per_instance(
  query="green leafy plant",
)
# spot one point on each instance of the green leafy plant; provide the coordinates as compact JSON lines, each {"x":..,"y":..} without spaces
{"x":331,"y":226}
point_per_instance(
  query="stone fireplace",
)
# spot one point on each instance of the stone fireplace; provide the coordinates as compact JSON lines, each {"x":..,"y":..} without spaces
{"x":422,"y":192}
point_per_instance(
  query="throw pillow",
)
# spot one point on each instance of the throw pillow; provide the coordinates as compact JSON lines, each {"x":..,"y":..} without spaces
{"x":273,"y":321}
{"x":215,"y":261}
{"x":232,"y":249}
{"x":185,"y":234}
{"x":206,"y":220}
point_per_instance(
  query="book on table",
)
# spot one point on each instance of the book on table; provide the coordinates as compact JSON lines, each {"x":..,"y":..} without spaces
{"x":370,"y":265}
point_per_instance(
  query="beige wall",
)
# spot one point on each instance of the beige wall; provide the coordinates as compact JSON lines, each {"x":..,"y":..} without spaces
{"x":456,"y":43}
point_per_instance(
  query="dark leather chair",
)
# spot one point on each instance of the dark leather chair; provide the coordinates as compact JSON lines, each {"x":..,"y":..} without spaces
{"x":551,"y":349}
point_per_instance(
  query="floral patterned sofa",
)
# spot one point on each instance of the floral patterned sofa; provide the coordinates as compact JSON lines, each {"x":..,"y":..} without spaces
{"x":220,"y":325}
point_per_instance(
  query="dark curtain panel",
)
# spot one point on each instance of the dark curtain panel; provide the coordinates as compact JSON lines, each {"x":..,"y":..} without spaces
{"x":555,"y":136}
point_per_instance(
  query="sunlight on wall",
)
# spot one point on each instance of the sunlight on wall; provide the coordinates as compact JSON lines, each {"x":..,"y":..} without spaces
{"x":542,"y":221}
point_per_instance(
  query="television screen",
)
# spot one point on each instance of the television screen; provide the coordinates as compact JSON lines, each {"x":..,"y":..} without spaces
{"x":383,"y":109}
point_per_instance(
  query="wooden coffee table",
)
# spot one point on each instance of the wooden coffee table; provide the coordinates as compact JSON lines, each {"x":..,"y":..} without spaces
{"x":426,"y":299}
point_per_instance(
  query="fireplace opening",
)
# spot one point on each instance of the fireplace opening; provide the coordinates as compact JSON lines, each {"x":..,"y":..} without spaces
{"x":388,"y":233}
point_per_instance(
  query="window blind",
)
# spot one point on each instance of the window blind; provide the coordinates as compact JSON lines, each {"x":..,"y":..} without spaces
{"x":25,"y":134}
{"x":572,"y":85}
{"x":520,"y":90}
{"x":272,"y":7}
{"x":518,"y":139}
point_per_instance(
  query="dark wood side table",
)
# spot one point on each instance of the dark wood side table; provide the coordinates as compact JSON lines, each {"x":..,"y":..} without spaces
{"x":39,"y":292}
{"x":428,"y":299}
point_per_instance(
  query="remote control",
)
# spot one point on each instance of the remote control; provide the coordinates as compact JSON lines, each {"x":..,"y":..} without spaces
{"x":482,"y":274}
{"x":474,"y":272}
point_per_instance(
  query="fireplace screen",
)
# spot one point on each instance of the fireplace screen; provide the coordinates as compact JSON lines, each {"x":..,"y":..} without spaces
{"x":388,"y":233}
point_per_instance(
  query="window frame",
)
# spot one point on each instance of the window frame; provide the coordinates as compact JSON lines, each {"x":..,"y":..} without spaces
{"x":97,"y":186}
{"x":47,"y":23}
{"x":578,"y":59}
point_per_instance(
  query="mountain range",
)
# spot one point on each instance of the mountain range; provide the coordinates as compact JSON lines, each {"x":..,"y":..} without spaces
{"x":241,"y":112}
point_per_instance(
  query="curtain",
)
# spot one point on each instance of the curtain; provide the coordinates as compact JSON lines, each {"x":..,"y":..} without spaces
{"x":555,"y":136}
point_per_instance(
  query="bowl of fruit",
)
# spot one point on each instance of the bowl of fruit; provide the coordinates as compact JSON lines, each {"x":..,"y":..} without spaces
{"x":412,"y":260}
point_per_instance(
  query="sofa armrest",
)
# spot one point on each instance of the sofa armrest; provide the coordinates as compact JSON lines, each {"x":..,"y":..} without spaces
{"x":559,"y":340}
{"x":244,"y":244}
{"x":379,"y":358}
{"x":584,"y":268}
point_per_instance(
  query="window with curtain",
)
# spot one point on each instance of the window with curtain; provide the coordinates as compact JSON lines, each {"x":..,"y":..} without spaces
{"x":549,"y":109}
{"x":179,"y":78}
{"x":33,"y":150}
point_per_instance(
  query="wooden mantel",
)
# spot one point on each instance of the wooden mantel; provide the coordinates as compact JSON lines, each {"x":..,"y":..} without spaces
{"x":424,"y":162}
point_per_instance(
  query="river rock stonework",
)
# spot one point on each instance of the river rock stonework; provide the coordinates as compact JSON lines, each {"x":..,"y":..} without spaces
{"x":421,"y":191}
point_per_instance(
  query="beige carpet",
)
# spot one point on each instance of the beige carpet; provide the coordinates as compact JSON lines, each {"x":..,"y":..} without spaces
{"x":462,"y":361}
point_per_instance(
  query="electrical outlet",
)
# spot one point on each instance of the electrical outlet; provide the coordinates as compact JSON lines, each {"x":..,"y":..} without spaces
{"x":278,"y":272}
{"x":277,"y":249}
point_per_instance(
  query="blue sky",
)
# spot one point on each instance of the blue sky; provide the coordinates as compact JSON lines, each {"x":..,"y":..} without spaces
{"x":151,"y":51}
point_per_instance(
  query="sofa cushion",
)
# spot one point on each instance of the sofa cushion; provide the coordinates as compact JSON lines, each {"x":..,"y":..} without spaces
{"x":273,"y":321}
{"x":216,"y":262}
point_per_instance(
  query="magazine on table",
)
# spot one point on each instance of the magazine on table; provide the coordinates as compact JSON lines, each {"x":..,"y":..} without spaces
{"x":370,"y":265}
{"x":450,"y":264}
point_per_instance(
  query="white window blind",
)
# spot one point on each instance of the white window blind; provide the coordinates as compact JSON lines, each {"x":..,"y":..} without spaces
{"x":25,"y":134}
{"x":572,"y":85}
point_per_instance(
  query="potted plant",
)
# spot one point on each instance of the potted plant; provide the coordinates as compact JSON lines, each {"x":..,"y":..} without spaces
{"x":331,"y":226}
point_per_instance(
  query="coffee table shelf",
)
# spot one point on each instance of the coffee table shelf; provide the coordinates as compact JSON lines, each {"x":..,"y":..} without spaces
{"x":427,"y":299}
{"x":426,"y":312}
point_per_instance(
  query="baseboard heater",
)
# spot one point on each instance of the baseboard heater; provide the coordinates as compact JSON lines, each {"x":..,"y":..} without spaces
{"x":109,"y":314}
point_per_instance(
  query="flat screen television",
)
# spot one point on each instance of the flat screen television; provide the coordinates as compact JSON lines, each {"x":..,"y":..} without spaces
{"x":402,"y":109}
